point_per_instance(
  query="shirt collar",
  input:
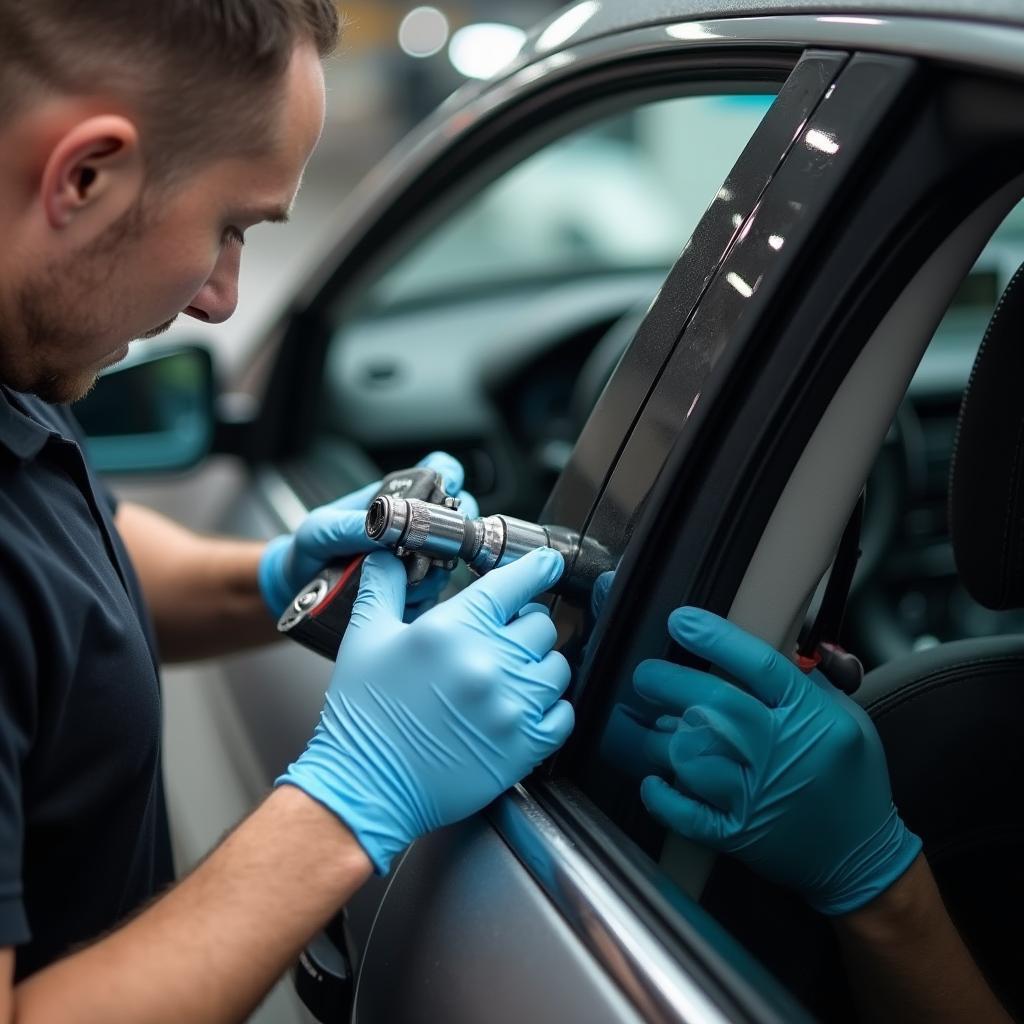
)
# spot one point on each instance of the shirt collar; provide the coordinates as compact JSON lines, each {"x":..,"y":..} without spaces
{"x":21,"y":435}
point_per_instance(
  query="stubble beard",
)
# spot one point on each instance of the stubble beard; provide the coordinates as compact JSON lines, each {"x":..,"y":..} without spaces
{"x":55,"y":318}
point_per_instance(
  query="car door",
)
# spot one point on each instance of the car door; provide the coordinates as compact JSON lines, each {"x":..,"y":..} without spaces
{"x":346,"y":338}
{"x":440,"y":951}
{"x":735,"y":484}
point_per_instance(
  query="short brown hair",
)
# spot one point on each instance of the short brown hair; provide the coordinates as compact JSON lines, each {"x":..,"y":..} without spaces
{"x":200,"y":73}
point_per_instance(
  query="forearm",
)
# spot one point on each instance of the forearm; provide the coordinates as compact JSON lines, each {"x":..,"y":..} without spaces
{"x":202,"y":591}
{"x":907,"y":962}
{"x":209,"y":950}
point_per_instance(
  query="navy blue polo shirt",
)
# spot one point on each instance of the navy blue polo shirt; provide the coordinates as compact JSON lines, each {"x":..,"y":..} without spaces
{"x":83,"y":829}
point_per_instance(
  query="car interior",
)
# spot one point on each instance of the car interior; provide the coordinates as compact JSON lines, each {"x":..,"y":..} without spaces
{"x":934,"y":611}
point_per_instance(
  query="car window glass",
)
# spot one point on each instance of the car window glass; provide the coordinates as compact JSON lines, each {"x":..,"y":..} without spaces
{"x":485,"y":337}
{"x":620,"y":194}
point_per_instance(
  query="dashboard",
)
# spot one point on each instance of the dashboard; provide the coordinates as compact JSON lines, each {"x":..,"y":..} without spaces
{"x":494,"y":378}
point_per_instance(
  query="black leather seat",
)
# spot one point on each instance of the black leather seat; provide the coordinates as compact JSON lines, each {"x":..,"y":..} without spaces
{"x":951,"y":719}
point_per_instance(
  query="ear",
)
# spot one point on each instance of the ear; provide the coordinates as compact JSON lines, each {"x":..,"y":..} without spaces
{"x":94,"y":174}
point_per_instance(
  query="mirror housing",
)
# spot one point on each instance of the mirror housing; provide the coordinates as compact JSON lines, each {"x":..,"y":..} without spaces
{"x":152,"y":413}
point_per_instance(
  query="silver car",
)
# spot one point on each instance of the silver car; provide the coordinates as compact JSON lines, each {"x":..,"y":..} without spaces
{"x":683,"y":278}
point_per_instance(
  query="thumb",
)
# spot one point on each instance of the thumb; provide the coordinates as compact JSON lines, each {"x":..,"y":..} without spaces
{"x":331,"y":532}
{"x":381,"y":598}
{"x":501,"y":594}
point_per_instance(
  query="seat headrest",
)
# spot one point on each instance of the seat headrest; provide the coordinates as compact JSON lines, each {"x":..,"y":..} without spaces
{"x":986,"y":492}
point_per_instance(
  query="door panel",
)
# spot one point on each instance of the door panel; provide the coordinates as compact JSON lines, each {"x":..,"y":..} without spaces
{"x":442,"y":923}
{"x":464,"y":935}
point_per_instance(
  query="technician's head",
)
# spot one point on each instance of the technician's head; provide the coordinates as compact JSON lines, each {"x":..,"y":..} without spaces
{"x":140,"y":139}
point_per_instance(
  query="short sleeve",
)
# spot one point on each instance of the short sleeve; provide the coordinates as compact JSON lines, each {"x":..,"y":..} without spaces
{"x":18,"y":678}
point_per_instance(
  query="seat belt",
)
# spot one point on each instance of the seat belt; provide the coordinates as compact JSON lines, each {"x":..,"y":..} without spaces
{"x":818,"y":648}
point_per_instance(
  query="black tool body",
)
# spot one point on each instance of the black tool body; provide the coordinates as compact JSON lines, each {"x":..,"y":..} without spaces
{"x":319,"y":614}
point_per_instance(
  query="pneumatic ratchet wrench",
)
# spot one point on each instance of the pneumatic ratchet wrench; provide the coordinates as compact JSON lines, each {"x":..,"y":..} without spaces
{"x":319,"y":614}
{"x":427,"y":533}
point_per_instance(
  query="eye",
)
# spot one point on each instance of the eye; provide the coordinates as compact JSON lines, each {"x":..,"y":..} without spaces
{"x":234,"y":235}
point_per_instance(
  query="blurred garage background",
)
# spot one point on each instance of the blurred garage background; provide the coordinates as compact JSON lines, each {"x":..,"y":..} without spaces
{"x":396,"y":63}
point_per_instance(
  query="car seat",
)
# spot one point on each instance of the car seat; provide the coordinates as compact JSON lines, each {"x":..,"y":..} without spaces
{"x":951,"y":719}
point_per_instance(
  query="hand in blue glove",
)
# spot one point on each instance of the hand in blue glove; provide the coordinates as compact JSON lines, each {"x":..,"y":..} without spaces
{"x":338,"y":531}
{"x":424,"y":724}
{"x":784,"y":771}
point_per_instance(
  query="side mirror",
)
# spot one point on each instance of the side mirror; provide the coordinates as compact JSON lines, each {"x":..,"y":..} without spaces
{"x":153,"y":413}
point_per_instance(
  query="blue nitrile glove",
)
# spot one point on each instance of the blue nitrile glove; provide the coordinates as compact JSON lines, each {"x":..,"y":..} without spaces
{"x":338,"y":530}
{"x":424,"y":724}
{"x":787,"y":773}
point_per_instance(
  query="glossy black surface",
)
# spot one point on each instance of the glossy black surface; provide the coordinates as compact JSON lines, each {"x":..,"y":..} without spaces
{"x":612,"y":419}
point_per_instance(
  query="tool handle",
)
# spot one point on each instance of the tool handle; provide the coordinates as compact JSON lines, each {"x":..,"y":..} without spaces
{"x":319,"y":615}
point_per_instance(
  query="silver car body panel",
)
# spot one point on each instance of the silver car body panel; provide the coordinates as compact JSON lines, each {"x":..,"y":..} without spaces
{"x":599,"y":919}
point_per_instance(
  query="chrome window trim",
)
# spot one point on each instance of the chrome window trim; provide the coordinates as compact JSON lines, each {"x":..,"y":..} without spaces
{"x":602,"y":920}
{"x":949,"y":38}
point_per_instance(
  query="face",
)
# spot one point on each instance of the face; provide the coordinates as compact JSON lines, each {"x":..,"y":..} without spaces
{"x":83,"y":298}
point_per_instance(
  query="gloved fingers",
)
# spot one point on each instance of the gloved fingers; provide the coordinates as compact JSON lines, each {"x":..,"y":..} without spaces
{"x":554,"y":728}
{"x":676,"y":688}
{"x":657,"y":744}
{"x":713,"y":780}
{"x":756,"y":665}
{"x":533,"y":633}
{"x":599,"y":591}
{"x":358,"y":500}
{"x":500,"y":594}
{"x":534,"y":606}
{"x":691,"y":818}
{"x":549,"y":679}
{"x":381,"y":598}
{"x":272,"y":577}
{"x":449,"y":467}
{"x":700,"y":733}
{"x":331,"y":532}
{"x":704,"y":731}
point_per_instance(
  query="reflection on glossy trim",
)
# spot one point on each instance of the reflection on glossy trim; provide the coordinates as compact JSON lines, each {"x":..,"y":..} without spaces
{"x":656,"y":983}
{"x":566,"y":25}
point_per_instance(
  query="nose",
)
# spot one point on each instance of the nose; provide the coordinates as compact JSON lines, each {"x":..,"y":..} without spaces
{"x":217,"y":299}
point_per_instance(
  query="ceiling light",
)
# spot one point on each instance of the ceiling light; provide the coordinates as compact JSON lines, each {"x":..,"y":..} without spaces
{"x":483,"y":49}
{"x":423,"y":32}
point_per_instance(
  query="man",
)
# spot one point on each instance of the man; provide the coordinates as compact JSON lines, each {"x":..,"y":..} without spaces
{"x":140,"y":141}
{"x":786,"y":773}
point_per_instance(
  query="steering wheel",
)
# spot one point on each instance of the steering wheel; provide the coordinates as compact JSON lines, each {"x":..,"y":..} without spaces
{"x":602,"y":361}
